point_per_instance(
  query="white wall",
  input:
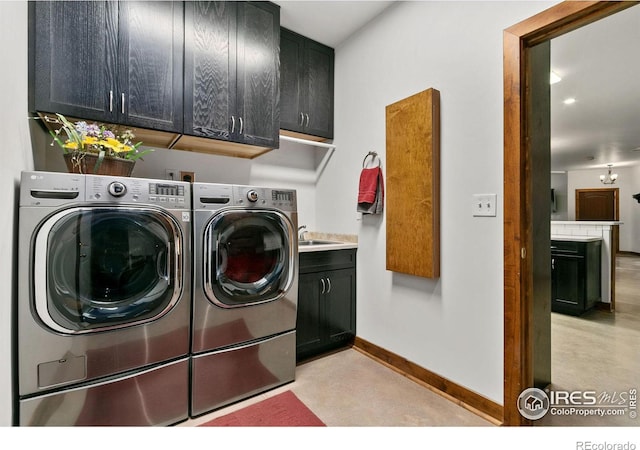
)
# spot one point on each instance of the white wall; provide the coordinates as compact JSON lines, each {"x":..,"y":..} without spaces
{"x":452,"y":326}
{"x":16,"y":156}
{"x":628,"y":183}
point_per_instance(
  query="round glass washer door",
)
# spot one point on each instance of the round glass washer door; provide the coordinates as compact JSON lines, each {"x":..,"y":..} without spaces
{"x":97,"y":269}
{"x":248,"y":257}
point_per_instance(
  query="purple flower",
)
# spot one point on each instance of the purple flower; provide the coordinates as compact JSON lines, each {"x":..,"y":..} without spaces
{"x":81,"y":127}
{"x":93,"y":130}
{"x":108,"y":134}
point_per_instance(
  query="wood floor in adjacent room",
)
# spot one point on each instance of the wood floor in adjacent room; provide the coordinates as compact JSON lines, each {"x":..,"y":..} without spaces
{"x":597,"y":351}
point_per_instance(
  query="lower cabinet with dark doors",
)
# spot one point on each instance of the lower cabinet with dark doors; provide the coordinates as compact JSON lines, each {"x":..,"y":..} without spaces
{"x":326,"y":302}
{"x":575,"y":275}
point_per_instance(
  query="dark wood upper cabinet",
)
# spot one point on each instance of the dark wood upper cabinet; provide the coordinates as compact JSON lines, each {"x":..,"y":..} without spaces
{"x":75,"y":46}
{"x":232,"y":72}
{"x":307,"y":69}
{"x":151,"y":42}
{"x":118,"y":62}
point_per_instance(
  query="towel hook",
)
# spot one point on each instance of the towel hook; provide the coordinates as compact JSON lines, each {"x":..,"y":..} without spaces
{"x":374,"y":156}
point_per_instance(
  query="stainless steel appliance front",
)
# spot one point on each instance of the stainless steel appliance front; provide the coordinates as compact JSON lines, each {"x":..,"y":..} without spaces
{"x":245,"y":291}
{"x":103,"y":301}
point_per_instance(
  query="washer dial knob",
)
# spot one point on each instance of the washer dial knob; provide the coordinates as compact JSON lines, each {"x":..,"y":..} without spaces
{"x":252,"y":196}
{"x":117,"y":189}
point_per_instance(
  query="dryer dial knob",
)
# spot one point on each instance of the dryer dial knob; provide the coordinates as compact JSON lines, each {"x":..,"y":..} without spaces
{"x":252,"y":196}
{"x":117,"y":189}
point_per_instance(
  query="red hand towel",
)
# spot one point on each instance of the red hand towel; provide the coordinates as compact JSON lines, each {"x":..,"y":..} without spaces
{"x":368,"y":185}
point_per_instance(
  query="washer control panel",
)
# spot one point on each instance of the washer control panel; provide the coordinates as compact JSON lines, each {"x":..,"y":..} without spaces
{"x":170,"y":195}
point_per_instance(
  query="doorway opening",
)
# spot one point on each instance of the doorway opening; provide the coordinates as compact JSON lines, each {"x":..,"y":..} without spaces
{"x":520,"y":241}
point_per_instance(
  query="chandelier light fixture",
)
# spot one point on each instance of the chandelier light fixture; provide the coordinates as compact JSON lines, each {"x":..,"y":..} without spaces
{"x":609,"y":178}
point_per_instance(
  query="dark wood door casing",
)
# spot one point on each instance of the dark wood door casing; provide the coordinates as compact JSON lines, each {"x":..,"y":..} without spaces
{"x":519,"y":244}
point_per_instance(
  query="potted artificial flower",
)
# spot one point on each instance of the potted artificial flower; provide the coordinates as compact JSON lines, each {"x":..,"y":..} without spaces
{"x":97,"y":148}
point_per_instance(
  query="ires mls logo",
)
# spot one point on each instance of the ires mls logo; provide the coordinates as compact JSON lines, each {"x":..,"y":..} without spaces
{"x":533,"y":403}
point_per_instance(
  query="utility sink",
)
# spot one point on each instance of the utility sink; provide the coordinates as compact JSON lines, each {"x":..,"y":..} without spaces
{"x":308,"y":242}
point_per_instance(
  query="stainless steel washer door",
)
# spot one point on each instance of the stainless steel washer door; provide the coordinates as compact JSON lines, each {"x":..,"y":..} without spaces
{"x":248,"y":257}
{"x":101,"y":268}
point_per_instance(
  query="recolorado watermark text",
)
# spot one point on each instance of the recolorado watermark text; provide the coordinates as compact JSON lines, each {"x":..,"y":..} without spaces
{"x":589,"y":445}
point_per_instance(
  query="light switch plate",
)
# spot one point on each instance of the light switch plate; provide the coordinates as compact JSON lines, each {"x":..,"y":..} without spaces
{"x":484,"y":205}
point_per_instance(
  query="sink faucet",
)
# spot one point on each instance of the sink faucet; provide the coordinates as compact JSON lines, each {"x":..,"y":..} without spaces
{"x":301,"y":232}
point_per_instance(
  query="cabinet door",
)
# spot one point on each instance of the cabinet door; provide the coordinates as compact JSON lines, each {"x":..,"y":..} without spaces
{"x":567,"y":283}
{"x":319,"y":62}
{"x":150,"y":72}
{"x":291,"y":65}
{"x":339,"y":303}
{"x":74,"y":68}
{"x":209,"y":68}
{"x":308,"y":329}
{"x":258,"y":74}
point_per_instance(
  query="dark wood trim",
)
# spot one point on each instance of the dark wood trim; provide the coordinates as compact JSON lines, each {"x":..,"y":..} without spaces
{"x":518,"y":241}
{"x":602,"y":306}
{"x":460,"y":395}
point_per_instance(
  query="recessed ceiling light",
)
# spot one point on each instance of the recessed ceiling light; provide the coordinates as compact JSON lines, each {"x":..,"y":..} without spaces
{"x":554,"y":78}
{"x":569,"y":101}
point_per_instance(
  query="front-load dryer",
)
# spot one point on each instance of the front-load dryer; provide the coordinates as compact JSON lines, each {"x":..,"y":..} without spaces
{"x":245,"y":292}
{"x":103,"y":314}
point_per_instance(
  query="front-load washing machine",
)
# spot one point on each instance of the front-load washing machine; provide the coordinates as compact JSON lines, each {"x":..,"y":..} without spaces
{"x":245,"y":292}
{"x":103,"y":314}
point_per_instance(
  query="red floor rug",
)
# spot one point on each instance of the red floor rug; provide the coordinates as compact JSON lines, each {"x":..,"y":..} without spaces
{"x":282,"y":410}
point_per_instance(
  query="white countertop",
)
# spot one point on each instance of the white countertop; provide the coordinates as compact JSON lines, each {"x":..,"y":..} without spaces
{"x":560,"y":237}
{"x":586,"y":222}
{"x":324,"y":247}
{"x":339,"y":241}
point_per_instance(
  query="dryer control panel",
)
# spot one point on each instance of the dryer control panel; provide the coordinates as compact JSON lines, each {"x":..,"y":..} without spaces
{"x":249,"y":196}
{"x":214,"y":196}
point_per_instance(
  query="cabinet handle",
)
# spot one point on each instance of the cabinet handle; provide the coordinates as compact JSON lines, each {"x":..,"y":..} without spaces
{"x":323,"y":285}
{"x":122,"y":103}
{"x":553,"y":263}
{"x":301,"y":119}
{"x":233,"y":124}
{"x":241,"y":126}
{"x":110,"y":101}
{"x":329,"y":285}
{"x":307,"y":116}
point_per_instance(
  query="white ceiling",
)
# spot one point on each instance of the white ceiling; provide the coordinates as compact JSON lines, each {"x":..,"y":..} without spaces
{"x":598,"y":64}
{"x":328,"y":22}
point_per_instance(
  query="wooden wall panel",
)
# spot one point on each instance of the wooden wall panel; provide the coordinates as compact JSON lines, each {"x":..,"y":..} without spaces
{"x":413,"y":185}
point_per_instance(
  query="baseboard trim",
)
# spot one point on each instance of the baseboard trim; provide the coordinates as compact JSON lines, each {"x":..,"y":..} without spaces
{"x":476,"y":403}
{"x":627,"y":253}
{"x":602,"y":306}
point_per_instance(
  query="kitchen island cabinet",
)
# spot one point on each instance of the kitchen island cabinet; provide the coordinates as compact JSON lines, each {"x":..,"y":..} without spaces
{"x":232,"y":72}
{"x":117,"y":62}
{"x":307,"y":69}
{"x":575,"y":275}
{"x":326,"y":302}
